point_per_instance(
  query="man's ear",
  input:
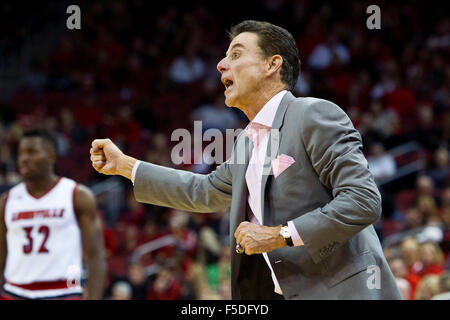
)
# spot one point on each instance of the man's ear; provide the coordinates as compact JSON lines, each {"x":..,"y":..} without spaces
{"x":274,"y":64}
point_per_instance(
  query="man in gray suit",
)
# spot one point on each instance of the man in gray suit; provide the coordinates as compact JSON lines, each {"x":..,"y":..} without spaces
{"x":301,"y":218}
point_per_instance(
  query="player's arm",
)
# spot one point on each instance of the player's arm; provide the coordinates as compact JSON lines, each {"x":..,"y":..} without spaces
{"x":92,"y":237}
{"x":2,"y":237}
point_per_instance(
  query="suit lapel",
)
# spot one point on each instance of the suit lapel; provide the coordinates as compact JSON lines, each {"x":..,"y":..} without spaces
{"x":245,"y":145}
{"x":241,"y":186}
{"x":273,"y":145}
{"x":240,"y":191}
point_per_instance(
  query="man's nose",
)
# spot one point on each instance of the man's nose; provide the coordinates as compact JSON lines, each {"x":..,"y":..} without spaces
{"x":222,"y":65}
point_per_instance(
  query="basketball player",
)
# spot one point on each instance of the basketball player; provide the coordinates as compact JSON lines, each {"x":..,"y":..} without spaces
{"x":46,"y":224}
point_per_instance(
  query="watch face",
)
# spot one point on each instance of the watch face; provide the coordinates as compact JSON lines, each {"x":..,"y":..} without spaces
{"x":285,"y":232}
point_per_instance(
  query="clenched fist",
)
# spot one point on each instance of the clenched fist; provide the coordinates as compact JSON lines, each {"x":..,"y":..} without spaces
{"x":255,"y":238}
{"x":108,"y":159}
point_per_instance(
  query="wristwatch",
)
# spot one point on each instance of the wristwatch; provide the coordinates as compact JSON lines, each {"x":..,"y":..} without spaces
{"x":286,"y":234}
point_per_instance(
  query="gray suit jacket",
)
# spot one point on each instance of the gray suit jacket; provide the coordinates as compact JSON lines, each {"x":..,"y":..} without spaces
{"x":328,"y":192}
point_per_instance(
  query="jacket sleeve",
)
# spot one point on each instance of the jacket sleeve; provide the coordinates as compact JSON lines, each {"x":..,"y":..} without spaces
{"x":184,"y":190}
{"x":335,"y":150}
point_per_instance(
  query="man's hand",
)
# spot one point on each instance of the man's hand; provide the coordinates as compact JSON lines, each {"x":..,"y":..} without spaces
{"x":255,"y":238}
{"x":107,"y":158}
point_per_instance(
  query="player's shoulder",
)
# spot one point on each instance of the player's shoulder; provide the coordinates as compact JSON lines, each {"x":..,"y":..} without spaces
{"x":65,"y":181}
{"x":84,"y":201}
{"x":83,"y":193}
{"x":18,"y":187}
{"x":74,"y":184}
{"x":80,"y":190}
{"x":5,"y":195}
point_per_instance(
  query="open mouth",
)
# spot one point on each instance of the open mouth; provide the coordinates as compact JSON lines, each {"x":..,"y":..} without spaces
{"x":227,"y":83}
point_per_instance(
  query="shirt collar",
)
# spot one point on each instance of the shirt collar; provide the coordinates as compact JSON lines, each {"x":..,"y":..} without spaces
{"x":266,"y":115}
{"x":257,"y":129}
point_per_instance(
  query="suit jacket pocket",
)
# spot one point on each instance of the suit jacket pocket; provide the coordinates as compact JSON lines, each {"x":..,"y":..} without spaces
{"x":346,"y":270}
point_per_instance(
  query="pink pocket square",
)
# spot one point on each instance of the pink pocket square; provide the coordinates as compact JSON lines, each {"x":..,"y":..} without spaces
{"x":281,"y":163}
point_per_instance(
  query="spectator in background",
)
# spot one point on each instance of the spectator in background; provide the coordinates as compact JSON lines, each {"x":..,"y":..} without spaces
{"x":187,"y":68}
{"x":178,"y":227}
{"x":381,"y":164}
{"x":410,"y":255}
{"x":165,"y":286}
{"x":444,"y":286}
{"x":151,"y":230}
{"x":70,"y":130}
{"x":138,"y":280}
{"x":413,"y":218}
{"x":400,"y":273}
{"x":209,"y":246}
{"x":431,"y":258}
{"x":383,"y":119}
{"x":427,"y":288}
{"x":440,"y":172}
{"x":213,"y":281}
{"x":432,"y":230}
{"x":196,"y":278}
{"x":216,"y":115}
{"x":325,"y":53}
{"x":123,"y":127}
{"x":395,"y":96}
{"x":425,"y":200}
{"x":157,"y":151}
{"x":135,"y":213}
{"x":425,"y":131}
{"x":440,"y":38}
{"x":395,"y":127}
{"x":388,"y":82}
{"x":225,"y":290}
{"x":369,"y":134}
{"x":219,"y":271}
{"x":392,"y":252}
{"x":131,"y":234}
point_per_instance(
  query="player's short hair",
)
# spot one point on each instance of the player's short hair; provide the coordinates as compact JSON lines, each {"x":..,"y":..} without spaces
{"x":273,"y":40}
{"x":44,"y":134}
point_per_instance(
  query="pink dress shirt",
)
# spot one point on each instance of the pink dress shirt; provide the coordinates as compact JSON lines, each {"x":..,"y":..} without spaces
{"x":258,"y":132}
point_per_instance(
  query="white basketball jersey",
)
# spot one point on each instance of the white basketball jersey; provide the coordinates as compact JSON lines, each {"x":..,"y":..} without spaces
{"x":43,"y":242}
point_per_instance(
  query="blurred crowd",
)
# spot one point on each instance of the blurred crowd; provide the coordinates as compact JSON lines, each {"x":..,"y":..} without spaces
{"x":136,"y":71}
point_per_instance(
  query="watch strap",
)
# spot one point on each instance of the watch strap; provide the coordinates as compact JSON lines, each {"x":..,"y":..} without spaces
{"x":288,"y":239}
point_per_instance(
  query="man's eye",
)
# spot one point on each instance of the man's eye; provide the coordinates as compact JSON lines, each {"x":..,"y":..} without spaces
{"x":234,"y":55}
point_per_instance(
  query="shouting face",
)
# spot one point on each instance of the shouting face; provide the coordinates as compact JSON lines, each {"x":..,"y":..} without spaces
{"x":242,"y":69}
